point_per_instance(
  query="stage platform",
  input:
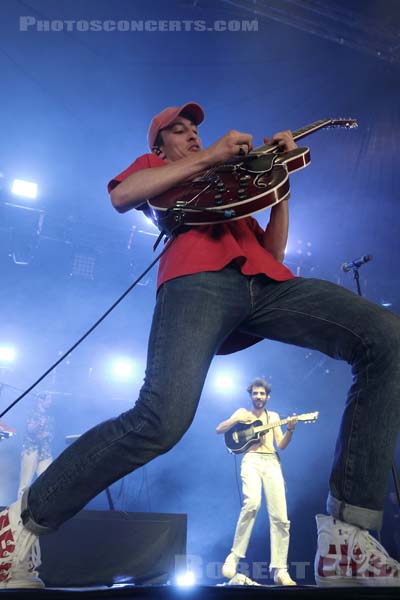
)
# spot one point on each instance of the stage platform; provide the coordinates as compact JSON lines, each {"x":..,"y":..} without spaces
{"x":140,"y":552}
{"x":223,"y":592}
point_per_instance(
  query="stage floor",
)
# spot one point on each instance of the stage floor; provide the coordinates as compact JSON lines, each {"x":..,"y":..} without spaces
{"x":168,"y":592}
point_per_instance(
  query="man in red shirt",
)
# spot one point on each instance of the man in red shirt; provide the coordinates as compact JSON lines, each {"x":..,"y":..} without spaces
{"x":216,"y":282}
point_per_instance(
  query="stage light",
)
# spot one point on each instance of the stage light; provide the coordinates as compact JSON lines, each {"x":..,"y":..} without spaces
{"x":186,"y":579}
{"x":26,"y":189}
{"x":7,"y":354}
{"x":301,"y":248}
{"x":224,"y":382}
{"x":386,"y":304}
{"x":83,"y":265}
{"x":123,"y":368}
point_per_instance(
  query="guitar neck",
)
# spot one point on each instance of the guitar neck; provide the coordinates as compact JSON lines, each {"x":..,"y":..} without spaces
{"x":309,"y":417}
{"x":300,"y":133}
{"x":264,"y":428}
{"x":304,"y":131}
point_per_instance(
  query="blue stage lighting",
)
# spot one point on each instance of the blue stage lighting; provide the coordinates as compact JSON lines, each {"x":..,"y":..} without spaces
{"x":186,"y":579}
{"x":26,"y":189}
{"x":123,"y":368}
{"x":224,"y":382}
{"x":7,"y":354}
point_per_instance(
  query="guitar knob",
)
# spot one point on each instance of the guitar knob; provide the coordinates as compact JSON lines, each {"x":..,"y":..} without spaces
{"x":218,"y":199}
{"x":241,"y":193}
{"x":244,"y":179}
{"x":221,"y":186}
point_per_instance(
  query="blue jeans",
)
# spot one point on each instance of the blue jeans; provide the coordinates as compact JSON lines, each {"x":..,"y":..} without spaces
{"x":193,"y":315}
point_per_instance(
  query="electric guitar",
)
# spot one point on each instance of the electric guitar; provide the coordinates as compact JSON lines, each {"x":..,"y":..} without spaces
{"x":239,"y":188}
{"x":242,"y":435}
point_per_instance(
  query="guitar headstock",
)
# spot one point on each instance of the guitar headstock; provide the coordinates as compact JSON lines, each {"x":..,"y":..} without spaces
{"x":346,"y":123}
{"x":309,"y":417}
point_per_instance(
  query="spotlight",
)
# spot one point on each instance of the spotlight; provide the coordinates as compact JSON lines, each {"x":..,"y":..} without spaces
{"x":301,"y":248}
{"x":186,"y":579}
{"x":7,"y":354}
{"x":224,"y":382}
{"x":26,"y":189}
{"x":123,"y":369}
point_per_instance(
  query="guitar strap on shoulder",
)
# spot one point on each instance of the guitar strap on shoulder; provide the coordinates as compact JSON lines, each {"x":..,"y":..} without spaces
{"x":276,"y":452}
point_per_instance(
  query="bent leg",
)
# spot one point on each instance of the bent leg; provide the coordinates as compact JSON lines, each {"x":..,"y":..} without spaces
{"x":323,"y":316}
{"x":193,"y":315}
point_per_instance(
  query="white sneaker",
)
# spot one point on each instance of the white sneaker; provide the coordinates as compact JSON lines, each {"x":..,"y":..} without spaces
{"x":282,"y":577}
{"x":347,"y":555}
{"x":19,"y":552}
{"x":229,"y":567}
{"x":240,"y":579}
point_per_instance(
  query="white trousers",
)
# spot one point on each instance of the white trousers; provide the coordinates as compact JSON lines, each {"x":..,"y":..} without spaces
{"x":31,"y":465}
{"x":263,"y":471}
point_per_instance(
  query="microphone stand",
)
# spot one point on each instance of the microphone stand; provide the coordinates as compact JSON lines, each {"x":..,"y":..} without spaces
{"x":356,"y":276}
{"x":396,"y":479}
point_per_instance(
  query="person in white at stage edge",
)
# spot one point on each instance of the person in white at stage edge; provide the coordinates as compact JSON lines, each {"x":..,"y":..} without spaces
{"x":261,"y":469}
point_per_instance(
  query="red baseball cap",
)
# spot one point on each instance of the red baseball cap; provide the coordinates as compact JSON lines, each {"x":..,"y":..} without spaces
{"x":166,"y":116}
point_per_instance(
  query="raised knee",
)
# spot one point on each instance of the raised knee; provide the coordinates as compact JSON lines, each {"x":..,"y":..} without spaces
{"x":159,"y":429}
{"x":386,"y":329}
{"x":380,"y":341}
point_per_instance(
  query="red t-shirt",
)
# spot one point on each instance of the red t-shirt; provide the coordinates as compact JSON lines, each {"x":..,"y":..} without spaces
{"x":211,"y":248}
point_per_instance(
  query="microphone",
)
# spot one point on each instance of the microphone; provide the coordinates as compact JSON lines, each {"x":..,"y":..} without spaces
{"x":358,"y":262}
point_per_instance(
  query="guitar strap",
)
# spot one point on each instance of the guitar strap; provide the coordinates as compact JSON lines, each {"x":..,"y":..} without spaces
{"x":276,"y":452}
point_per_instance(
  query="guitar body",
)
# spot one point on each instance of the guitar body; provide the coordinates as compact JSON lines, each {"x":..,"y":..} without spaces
{"x":232,"y":192}
{"x":242,"y":436}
